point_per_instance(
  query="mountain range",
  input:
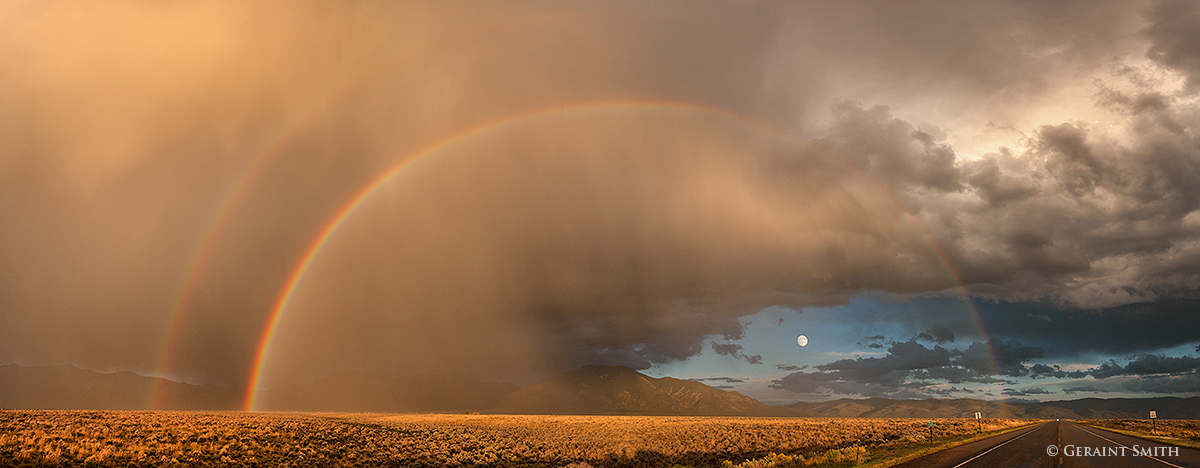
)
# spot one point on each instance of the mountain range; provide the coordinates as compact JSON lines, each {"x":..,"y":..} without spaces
{"x":621,"y":390}
{"x":1086,"y":408}
{"x":587,"y":390}
{"x":69,"y":387}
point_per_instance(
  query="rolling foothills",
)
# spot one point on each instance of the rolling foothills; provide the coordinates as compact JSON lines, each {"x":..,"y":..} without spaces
{"x":589,"y":390}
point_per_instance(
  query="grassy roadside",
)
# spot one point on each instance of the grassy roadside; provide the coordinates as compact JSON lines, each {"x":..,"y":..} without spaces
{"x":899,"y":454}
{"x":1145,"y":436}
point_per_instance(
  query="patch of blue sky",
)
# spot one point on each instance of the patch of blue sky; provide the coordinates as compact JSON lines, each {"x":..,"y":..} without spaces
{"x":834,"y":333}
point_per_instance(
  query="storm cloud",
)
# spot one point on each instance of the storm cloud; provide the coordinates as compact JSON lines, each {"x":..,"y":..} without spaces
{"x":939,"y":334}
{"x":1148,"y":364}
{"x":735,"y":351}
{"x":909,"y":367}
{"x":609,"y":184}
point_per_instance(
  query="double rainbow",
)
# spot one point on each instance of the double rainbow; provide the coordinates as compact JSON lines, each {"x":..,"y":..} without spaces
{"x":331,"y":227}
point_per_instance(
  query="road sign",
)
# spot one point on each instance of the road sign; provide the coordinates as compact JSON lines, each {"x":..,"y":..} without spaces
{"x":1153,"y":414}
{"x":978,"y":415}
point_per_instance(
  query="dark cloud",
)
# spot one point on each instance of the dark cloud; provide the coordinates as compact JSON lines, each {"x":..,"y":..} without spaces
{"x":893,"y":367}
{"x":998,"y":189}
{"x":1077,"y":251}
{"x":909,"y":367}
{"x":1148,"y":364}
{"x":939,"y":334}
{"x":719,"y":379}
{"x":735,"y":351}
{"x":892,"y":149}
{"x":1035,"y":331}
{"x":1067,"y":332}
{"x":1067,"y":216}
{"x":955,"y":374}
{"x":790,"y":367}
{"x":1043,"y":370}
{"x":1084,"y":389}
{"x":1175,"y":32}
{"x":939,"y":391}
{"x":1144,"y":373}
{"x":872,"y":342}
{"x":1186,"y":383}
{"x":1025,"y":392}
{"x":1063,"y":332}
{"x":1005,"y":357}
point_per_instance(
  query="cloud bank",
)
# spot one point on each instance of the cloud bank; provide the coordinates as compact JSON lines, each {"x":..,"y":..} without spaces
{"x":1046,"y":153}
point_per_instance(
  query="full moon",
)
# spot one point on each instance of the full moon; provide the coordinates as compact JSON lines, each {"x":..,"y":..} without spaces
{"x":802,"y":340}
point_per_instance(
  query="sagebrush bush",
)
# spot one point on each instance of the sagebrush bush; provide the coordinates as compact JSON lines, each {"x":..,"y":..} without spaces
{"x":273,"y":439}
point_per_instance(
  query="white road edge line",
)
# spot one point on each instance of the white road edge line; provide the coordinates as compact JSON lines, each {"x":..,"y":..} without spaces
{"x":996,"y":447}
{"x":1126,"y":446}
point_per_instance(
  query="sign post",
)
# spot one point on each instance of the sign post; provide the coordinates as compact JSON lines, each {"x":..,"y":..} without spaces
{"x":1153,"y":416}
{"x":931,"y":432}
{"x":979,"y":419}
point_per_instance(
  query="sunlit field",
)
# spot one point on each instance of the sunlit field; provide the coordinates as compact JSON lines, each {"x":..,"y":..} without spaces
{"x":1179,"y":431}
{"x":245,"y":439}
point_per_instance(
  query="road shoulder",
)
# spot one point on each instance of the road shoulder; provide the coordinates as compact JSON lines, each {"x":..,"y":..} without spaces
{"x":915,"y":454}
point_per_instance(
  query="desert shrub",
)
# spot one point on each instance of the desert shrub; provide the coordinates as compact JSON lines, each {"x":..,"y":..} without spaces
{"x":1177,"y":428}
{"x":271,"y":439}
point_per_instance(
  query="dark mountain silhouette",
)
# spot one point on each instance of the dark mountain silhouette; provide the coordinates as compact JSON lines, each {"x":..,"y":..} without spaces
{"x":1087,"y":408}
{"x":359,"y":391}
{"x":888,"y":408}
{"x":1119,"y":408}
{"x":621,"y":390}
{"x":69,"y":387}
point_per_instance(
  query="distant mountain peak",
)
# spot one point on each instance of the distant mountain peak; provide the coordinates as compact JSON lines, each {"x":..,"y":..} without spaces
{"x":66,"y":386}
{"x":602,"y":373}
{"x":598,"y":389}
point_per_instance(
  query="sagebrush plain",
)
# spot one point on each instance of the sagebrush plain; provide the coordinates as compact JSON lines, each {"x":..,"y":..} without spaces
{"x":75,"y":438}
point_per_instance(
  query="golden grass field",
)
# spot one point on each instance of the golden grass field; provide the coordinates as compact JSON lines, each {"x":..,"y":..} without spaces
{"x":88,"y":438}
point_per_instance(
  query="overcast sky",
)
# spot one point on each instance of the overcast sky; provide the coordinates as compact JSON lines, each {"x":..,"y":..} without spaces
{"x":681,"y":188}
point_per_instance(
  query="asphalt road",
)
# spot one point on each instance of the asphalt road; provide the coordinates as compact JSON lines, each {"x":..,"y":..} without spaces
{"x":1073,"y":446}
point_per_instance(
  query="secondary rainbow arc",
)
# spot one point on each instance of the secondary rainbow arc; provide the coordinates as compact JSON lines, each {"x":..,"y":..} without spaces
{"x":228,"y":205}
